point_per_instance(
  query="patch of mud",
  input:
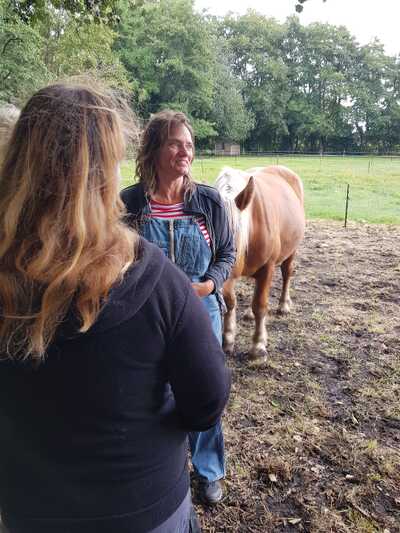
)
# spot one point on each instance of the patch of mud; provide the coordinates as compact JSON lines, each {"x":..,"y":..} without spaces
{"x":313,"y":436}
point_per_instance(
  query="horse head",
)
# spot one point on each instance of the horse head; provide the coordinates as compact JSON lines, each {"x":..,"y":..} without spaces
{"x":237,"y":190}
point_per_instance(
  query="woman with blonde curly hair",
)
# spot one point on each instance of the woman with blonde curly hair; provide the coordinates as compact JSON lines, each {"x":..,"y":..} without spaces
{"x":102,"y":340}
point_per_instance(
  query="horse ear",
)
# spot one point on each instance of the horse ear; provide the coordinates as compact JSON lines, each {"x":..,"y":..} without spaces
{"x":243,"y":199}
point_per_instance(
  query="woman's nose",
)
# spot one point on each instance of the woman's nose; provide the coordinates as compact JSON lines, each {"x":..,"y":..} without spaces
{"x":184,"y":150}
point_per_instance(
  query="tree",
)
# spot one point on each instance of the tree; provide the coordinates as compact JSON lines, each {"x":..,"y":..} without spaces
{"x":36,"y":11}
{"x":166,"y":48}
{"x":73,"y":46}
{"x":320,"y":60}
{"x":22,"y":67}
{"x":389,"y":138}
{"x":55,"y":45}
{"x":254,"y":47}
{"x":232,"y":120}
{"x":372,"y":95}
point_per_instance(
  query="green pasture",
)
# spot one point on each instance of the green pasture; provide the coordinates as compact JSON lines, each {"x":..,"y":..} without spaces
{"x":374,"y":183}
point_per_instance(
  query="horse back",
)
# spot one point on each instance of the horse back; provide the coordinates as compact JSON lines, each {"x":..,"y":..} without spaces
{"x":277,"y":214}
{"x":290,"y":177}
{"x":275,"y":186}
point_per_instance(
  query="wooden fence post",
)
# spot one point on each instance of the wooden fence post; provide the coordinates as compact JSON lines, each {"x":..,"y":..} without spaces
{"x":347,"y":206}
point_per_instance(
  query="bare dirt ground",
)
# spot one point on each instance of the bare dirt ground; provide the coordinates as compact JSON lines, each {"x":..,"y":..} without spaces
{"x":313,"y":436}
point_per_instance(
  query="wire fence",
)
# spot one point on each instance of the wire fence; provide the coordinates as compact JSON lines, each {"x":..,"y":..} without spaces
{"x":283,"y":153}
{"x":369,"y":184}
{"x":371,"y":180}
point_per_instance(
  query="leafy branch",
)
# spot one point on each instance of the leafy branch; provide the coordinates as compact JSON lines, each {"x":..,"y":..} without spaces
{"x":9,"y":41}
{"x":299,"y":6}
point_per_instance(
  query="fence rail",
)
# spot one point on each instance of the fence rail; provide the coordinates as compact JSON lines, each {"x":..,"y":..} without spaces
{"x":213,"y":153}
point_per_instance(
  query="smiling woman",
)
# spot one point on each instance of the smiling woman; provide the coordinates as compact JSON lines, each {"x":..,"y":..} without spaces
{"x":167,"y":138}
{"x":188,"y":222}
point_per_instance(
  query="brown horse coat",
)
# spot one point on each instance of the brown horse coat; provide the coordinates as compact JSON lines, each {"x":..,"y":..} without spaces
{"x":267,"y":213}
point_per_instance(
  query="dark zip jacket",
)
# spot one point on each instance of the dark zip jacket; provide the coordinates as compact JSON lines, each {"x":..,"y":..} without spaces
{"x":205,"y":201}
{"x":94,"y":439}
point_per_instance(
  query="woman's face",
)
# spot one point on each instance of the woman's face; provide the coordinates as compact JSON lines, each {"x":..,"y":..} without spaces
{"x":176,"y":154}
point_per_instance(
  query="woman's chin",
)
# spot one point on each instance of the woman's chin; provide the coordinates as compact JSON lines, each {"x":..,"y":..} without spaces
{"x":181,"y":171}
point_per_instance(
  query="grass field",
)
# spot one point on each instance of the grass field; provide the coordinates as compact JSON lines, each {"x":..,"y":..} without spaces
{"x":374,"y":183}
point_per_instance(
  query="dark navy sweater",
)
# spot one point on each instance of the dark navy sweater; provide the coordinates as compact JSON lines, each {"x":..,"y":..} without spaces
{"x":94,"y":439}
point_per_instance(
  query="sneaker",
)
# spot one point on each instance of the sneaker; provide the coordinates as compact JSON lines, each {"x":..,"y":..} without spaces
{"x":210,"y":491}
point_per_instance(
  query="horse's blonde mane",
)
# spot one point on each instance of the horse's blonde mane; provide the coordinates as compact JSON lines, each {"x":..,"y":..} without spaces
{"x":229,"y":183}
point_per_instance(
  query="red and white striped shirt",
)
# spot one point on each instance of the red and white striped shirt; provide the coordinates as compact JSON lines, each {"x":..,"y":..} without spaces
{"x":175,"y":211}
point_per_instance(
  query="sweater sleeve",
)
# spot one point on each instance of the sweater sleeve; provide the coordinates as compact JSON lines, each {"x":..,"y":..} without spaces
{"x":196,"y":367}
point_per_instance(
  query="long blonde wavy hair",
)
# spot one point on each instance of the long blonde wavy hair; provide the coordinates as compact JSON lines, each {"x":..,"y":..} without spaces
{"x":62,"y":238}
{"x":154,"y":135}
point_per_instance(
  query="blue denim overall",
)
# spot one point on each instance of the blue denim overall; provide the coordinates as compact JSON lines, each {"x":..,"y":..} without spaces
{"x":182,"y":241}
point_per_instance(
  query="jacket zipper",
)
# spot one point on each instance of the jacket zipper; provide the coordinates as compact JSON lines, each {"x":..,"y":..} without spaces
{"x":171,"y":241}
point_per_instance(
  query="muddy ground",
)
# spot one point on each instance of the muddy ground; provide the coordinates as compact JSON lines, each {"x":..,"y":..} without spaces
{"x":313,"y":437}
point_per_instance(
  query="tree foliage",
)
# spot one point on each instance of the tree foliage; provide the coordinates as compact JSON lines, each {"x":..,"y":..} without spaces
{"x":254,"y":42}
{"x":36,"y":11}
{"x":313,"y":87}
{"x":233,"y":121}
{"x":166,"y":49}
{"x":244,"y":78}
{"x":52,"y":44}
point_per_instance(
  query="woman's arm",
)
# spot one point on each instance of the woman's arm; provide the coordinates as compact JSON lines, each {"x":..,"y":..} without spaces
{"x":196,"y":368}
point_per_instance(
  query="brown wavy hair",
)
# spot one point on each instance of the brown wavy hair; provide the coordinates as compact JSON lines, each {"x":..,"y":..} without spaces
{"x":154,"y":135}
{"x":62,"y":238}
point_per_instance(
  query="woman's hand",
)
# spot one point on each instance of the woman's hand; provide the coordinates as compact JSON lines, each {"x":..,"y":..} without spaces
{"x":203,"y":288}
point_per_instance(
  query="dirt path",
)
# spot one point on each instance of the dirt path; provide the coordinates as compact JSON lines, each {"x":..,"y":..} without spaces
{"x":313,"y":437}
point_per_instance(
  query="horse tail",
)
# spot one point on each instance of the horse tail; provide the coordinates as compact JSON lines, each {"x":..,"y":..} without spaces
{"x":291,"y":178}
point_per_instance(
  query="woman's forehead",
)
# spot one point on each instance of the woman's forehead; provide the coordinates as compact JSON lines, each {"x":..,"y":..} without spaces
{"x":179,"y":131}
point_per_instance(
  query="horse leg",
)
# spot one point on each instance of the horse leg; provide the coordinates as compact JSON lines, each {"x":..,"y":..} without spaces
{"x":287,"y":267}
{"x":260,"y":309}
{"x":230,"y":316}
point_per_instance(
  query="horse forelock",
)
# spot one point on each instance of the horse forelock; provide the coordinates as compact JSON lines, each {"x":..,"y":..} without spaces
{"x":229,"y":183}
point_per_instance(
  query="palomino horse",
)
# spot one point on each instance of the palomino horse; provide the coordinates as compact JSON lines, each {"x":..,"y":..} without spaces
{"x":265,"y":208}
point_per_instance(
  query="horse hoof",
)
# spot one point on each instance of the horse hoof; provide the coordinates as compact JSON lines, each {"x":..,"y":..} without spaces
{"x":228,"y":349}
{"x":258,"y":355}
{"x":258,"y":362}
{"x":248,"y":315}
{"x":284,"y":308}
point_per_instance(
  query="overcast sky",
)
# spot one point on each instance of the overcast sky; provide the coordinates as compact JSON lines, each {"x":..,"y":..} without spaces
{"x":365,"y":19}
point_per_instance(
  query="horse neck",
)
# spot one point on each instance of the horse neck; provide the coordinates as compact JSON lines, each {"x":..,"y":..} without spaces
{"x":239,"y":222}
